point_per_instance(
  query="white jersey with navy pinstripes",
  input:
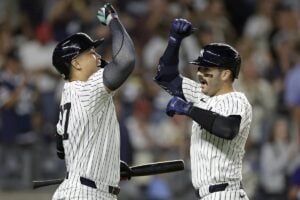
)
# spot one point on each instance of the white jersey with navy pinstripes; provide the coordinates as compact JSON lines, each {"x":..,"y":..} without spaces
{"x":92,"y":148}
{"x":213,"y":159}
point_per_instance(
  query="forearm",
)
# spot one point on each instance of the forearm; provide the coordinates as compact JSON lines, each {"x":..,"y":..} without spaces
{"x":122,"y":64}
{"x":168,"y":64}
{"x":168,"y":76}
{"x":221,"y":126}
{"x":171,"y":54}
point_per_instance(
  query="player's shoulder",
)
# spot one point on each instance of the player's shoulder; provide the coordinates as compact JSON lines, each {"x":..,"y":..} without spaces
{"x":242,"y":99}
{"x":236,"y":97}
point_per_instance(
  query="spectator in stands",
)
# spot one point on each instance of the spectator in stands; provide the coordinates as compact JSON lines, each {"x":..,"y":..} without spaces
{"x":276,"y":155}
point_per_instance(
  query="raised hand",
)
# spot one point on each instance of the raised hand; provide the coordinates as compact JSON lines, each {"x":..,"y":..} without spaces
{"x":180,"y":28}
{"x":106,"y":14}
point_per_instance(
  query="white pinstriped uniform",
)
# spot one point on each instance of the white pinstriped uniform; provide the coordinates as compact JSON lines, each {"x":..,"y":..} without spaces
{"x":215,"y":160}
{"x":92,"y":149}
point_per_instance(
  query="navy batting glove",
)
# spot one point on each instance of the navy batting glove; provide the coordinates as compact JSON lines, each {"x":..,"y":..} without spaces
{"x":180,"y":28}
{"x":178,"y":106}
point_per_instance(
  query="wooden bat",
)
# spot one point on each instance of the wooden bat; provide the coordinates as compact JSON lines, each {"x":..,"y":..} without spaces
{"x":138,"y":170}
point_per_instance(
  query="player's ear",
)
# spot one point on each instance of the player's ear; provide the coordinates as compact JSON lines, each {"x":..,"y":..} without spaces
{"x":75,"y":64}
{"x":226,"y":74}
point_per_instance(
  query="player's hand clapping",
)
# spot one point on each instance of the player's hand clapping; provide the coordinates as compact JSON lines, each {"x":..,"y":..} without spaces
{"x":178,"y":106}
{"x":106,"y":14}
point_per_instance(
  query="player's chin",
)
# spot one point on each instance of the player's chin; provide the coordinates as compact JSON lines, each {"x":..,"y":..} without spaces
{"x":205,"y":90}
{"x":204,"y":87}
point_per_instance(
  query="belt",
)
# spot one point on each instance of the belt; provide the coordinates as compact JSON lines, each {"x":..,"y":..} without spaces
{"x":90,"y":183}
{"x":216,"y":188}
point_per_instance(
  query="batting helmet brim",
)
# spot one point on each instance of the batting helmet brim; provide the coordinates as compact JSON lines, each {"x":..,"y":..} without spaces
{"x":92,"y":44}
{"x":204,"y":63}
{"x":208,"y":59}
{"x":97,"y":43}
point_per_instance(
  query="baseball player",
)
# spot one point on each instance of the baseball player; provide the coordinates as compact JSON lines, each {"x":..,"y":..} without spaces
{"x":88,"y":132}
{"x":221,"y":116}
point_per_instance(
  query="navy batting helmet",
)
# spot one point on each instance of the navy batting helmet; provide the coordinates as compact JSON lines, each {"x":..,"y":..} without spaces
{"x":219,"y":55}
{"x":66,"y":50}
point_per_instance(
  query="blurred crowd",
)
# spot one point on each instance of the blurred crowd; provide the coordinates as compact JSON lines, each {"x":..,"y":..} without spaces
{"x":265,"y":32}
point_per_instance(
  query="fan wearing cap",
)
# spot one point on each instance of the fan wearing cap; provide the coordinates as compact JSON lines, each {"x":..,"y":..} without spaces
{"x":88,"y":135}
{"x":221,"y":116}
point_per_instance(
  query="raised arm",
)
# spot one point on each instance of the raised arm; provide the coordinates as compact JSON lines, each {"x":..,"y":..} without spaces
{"x":122,"y":64}
{"x":167,"y":75}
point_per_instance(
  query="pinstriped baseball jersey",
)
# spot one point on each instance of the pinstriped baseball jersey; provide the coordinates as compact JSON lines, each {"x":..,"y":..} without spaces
{"x":213,"y":159}
{"x":89,"y":122}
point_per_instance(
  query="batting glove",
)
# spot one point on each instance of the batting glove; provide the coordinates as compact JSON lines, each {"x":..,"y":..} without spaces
{"x":125,"y":171}
{"x":106,"y":14}
{"x":180,"y":28}
{"x":178,"y":106}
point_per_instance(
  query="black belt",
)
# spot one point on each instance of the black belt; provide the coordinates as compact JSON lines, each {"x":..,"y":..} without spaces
{"x":90,"y":183}
{"x":216,"y":188}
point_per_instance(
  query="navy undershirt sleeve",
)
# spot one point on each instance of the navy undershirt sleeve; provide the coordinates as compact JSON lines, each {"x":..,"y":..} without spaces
{"x":218,"y":125}
{"x":167,"y":75}
{"x":117,"y":71}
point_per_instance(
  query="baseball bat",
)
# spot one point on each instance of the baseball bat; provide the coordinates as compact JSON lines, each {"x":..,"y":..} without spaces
{"x":156,"y":168}
{"x":138,"y":170}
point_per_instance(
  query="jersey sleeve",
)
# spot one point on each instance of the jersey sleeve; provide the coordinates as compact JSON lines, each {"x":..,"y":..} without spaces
{"x":93,"y":93}
{"x":191,"y":90}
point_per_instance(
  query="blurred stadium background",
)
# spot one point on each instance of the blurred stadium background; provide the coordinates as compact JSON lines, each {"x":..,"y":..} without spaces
{"x":266,"y":33}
